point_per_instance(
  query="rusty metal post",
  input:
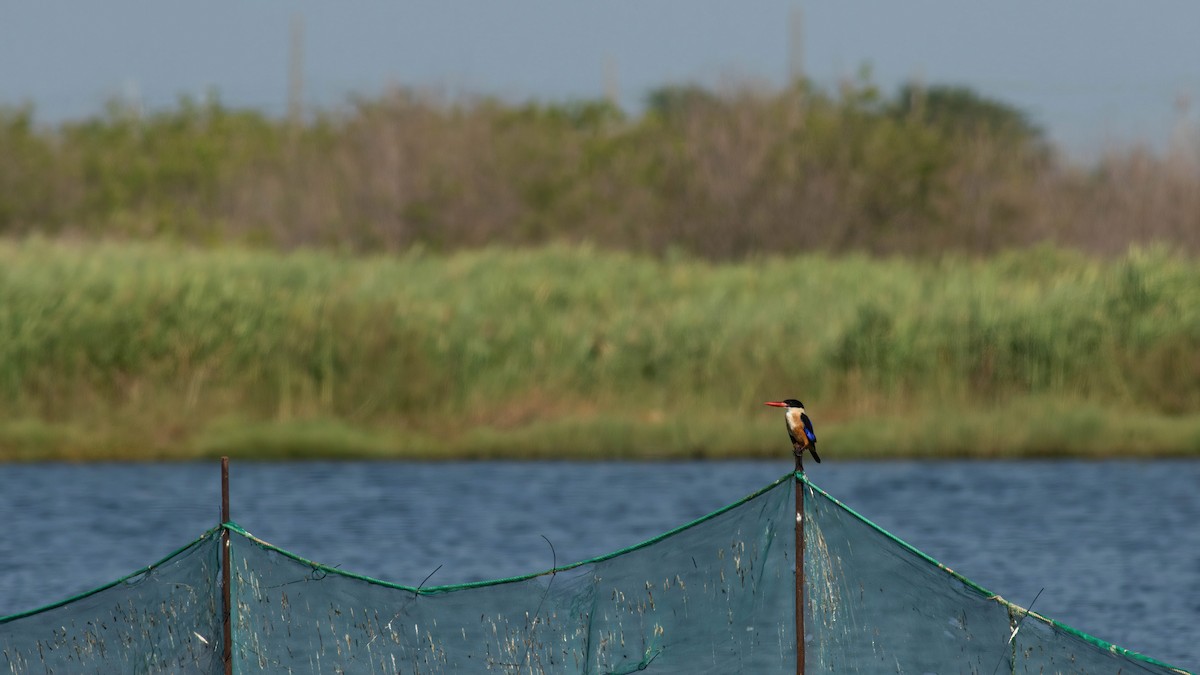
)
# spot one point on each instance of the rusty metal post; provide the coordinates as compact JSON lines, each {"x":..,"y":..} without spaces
{"x":227,"y":655}
{"x":799,"y":565}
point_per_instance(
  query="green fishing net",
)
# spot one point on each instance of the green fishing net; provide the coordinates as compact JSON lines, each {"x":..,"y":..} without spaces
{"x":714,"y":596}
{"x":165,"y":618}
{"x":878,"y":605}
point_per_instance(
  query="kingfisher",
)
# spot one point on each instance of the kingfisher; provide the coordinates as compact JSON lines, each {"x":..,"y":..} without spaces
{"x":799,"y":427}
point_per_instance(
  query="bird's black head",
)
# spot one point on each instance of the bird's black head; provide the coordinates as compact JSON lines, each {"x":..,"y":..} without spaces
{"x":786,"y":403}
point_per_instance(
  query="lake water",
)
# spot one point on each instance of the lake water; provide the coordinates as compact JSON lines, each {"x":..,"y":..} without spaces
{"x":1116,"y":545}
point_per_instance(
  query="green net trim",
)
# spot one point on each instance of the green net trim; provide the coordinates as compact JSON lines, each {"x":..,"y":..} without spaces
{"x":125,"y":579}
{"x":163,"y":618}
{"x":448,"y":588}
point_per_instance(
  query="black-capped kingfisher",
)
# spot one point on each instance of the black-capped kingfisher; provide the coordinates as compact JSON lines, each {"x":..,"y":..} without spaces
{"x":799,"y":427}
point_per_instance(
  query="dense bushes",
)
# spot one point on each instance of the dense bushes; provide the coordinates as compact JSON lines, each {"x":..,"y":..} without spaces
{"x":721,"y":175}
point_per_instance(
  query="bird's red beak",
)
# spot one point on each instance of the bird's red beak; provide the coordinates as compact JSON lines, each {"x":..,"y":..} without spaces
{"x":777,"y":404}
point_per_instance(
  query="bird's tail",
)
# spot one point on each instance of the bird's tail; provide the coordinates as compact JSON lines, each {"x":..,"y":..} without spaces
{"x":812,"y":447}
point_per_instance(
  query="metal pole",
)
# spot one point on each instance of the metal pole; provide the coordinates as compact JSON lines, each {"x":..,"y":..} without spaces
{"x":799,"y":566}
{"x":227,"y":655}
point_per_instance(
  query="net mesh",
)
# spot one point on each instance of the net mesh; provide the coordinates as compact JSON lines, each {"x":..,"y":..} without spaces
{"x":876,"y":604}
{"x":714,"y":596}
{"x":165,"y":618}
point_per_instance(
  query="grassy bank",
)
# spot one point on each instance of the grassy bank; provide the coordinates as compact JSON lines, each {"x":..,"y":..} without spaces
{"x":134,"y":351}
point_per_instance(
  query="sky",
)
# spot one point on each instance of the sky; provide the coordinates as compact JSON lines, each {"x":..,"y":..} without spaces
{"x":1095,"y":75}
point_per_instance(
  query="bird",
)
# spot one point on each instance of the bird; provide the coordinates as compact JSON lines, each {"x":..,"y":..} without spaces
{"x":800,"y":428}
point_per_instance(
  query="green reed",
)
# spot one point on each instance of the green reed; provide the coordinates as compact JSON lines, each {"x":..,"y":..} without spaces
{"x":142,"y":350}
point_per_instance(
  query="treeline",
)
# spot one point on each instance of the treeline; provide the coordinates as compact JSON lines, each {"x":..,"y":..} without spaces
{"x":716,"y":174}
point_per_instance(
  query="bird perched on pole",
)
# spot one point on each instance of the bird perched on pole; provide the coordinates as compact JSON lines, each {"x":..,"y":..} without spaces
{"x":799,"y":427}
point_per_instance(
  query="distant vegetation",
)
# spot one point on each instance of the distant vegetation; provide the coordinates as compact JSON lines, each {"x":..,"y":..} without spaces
{"x":125,"y":350}
{"x":719,"y":175}
{"x":408,"y":276}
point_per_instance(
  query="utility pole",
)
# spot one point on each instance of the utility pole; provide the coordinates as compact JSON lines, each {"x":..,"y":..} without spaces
{"x":295,"y":94}
{"x":795,"y":45}
{"x":612,"y":88}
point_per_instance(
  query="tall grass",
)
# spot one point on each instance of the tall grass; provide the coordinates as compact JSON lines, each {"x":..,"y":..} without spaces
{"x":149,"y":350}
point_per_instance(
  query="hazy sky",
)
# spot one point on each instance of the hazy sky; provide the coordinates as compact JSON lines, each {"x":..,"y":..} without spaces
{"x":1092,"y":73}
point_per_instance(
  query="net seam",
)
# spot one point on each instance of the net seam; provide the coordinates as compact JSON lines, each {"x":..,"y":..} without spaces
{"x":433,"y":590}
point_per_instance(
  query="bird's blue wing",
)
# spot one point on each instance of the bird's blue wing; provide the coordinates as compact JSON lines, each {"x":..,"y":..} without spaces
{"x":808,"y":428}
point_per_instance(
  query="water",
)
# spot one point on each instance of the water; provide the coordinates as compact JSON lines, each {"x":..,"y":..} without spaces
{"x":1116,"y":545}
